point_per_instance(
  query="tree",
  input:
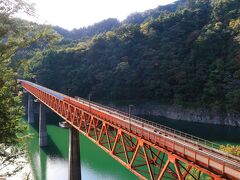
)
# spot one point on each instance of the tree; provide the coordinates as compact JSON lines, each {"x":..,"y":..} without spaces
{"x":231,"y":149}
{"x":15,"y":35}
{"x":10,"y":109}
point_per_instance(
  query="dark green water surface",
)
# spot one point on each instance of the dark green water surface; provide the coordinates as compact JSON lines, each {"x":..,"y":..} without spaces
{"x":220,"y":134}
{"x":51,"y":163}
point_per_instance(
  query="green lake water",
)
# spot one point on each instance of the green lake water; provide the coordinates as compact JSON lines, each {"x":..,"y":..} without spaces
{"x":51,"y":163}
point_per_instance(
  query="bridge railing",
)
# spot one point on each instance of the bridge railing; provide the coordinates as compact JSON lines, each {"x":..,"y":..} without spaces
{"x":174,"y":132}
{"x":164,"y":129}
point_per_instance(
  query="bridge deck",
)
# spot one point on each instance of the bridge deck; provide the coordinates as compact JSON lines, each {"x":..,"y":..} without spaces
{"x":181,"y":148}
{"x":175,"y":135}
{"x":198,"y":144}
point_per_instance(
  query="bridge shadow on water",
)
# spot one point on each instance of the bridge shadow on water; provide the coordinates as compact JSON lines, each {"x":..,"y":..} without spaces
{"x":39,"y":156}
{"x":52,"y":148}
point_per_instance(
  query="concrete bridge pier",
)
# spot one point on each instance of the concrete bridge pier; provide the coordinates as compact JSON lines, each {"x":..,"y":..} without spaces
{"x":42,"y":126}
{"x":74,"y":169}
{"x":30,"y":109}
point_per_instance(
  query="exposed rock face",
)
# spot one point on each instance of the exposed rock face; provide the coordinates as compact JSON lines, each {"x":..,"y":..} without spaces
{"x":180,"y":113}
{"x":176,"y":112}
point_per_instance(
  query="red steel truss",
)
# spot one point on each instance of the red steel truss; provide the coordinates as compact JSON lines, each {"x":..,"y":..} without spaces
{"x":148,"y":150}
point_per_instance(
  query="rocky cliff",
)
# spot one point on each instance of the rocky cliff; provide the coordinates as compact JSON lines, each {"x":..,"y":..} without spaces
{"x":177,"y":112}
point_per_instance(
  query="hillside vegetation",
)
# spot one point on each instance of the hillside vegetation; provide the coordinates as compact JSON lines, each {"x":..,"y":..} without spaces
{"x":186,"y":53}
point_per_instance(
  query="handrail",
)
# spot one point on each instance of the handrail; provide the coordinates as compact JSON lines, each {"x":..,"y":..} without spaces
{"x":206,"y":142}
{"x":185,"y":136}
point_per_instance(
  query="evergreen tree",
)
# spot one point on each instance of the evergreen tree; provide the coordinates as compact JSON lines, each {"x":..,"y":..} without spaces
{"x":15,"y":35}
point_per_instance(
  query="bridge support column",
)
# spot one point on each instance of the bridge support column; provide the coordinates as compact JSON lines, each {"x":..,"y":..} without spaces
{"x":74,"y":164}
{"x":30,"y":109}
{"x":42,"y":126}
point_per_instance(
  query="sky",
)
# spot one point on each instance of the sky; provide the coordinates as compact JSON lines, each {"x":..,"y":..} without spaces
{"x":71,"y":14}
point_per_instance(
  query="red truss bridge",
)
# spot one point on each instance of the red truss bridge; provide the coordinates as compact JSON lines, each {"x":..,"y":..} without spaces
{"x":149,"y":150}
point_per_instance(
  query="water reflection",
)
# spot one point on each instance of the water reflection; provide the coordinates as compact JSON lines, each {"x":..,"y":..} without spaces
{"x":56,"y":168}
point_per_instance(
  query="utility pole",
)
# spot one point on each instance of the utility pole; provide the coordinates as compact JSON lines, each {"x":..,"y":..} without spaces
{"x":129,"y":114}
{"x":68,"y":91}
{"x":89,"y":100}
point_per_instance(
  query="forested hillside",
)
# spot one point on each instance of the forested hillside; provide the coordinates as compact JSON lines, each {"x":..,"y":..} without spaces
{"x":87,"y":32}
{"x":186,"y":53}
